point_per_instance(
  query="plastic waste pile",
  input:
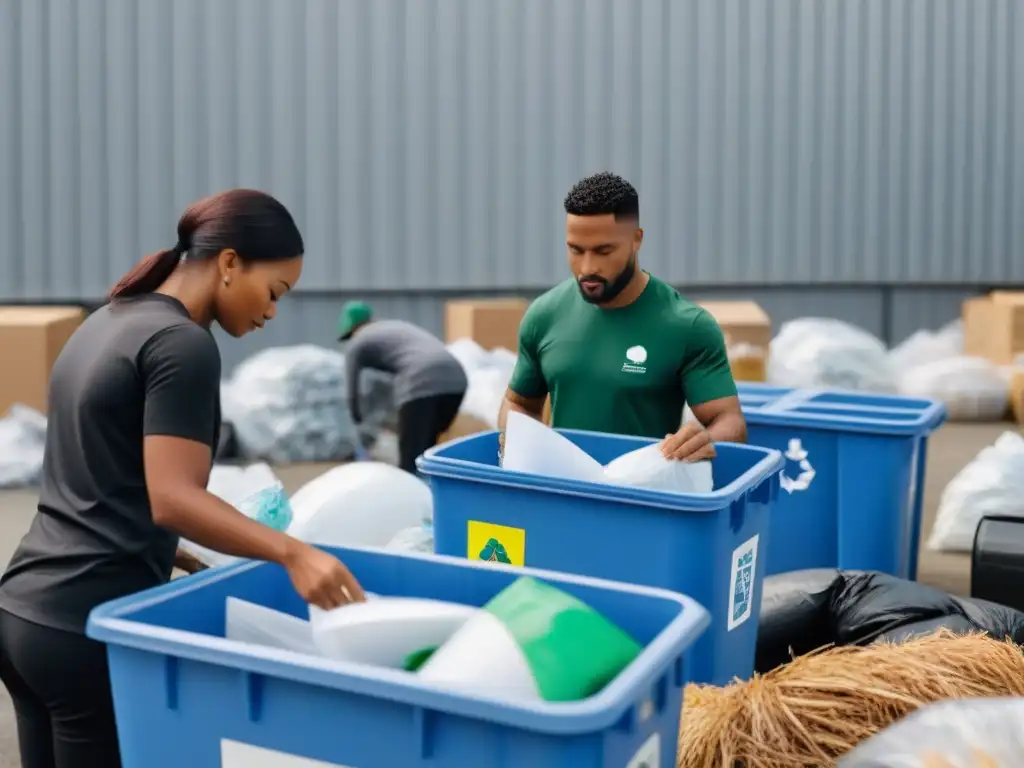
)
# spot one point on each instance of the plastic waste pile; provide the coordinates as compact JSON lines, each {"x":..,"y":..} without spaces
{"x":22,"y":442}
{"x":992,"y":484}
{"x":531,"y":641}
{"x":288,"y":404}
{"x":932,"y":365}
{"x":965,"y":733}
{"x":368,"y":504}
{"x":533,"y":447}
{"x":823,"y":353}
{"x":488,"y":373}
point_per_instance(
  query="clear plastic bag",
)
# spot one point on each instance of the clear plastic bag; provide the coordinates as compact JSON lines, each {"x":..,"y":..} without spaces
{"x":647,"y":468}
{"x":991,"y":484}
{"x":416,"y":539}
{"x":22,"y":444}
{"x":829,"y":354}
{"x":965,"y":733}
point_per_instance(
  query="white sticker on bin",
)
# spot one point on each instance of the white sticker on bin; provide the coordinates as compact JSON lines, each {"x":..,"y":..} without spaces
{"x":649,"y":754}
{"x":235,"y":754}
{"x":741,"y":582}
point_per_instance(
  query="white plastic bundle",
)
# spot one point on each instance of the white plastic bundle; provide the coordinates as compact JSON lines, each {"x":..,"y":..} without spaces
{"x":991,"y":484}
{"x":966,"y":733}
{"x":22,"y":443}
{"x":488,"y":374}
{"x":972,"y":388}
{"x":829,"y":354}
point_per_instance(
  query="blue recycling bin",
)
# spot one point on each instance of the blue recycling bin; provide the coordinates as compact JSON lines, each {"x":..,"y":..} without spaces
{"x":186,"y":697}
{"x":853,"y":482}
{"x":710,"y":546}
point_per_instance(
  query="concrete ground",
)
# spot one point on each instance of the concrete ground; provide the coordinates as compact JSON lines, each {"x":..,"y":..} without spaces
{"x":952,"y":447}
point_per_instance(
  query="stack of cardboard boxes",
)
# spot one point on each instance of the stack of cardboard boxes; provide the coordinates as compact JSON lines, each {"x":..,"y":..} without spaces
{"x":748,"y":332}
{"x":31,"y":338}
{"x":994,"y":330}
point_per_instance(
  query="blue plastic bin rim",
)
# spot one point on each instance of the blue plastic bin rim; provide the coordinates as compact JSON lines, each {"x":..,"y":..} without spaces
{"x":780,"y":411}
{"x":111,"y":623}
{"x":432,"y":465}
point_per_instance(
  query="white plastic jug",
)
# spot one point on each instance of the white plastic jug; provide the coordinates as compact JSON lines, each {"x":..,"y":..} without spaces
{"x":389,"y":632}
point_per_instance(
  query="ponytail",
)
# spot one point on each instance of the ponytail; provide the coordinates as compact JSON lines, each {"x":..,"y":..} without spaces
{"x":148,"y":275}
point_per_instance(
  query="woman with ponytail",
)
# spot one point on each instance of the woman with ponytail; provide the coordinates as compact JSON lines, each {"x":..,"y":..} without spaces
{"x":134,"y":419}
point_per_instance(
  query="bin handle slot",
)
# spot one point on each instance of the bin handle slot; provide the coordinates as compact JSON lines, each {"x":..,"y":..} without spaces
{"x":171,"y":679}
{"x":790,"y":400}
{"x":254,"y":684}
{"x":424,"y":727}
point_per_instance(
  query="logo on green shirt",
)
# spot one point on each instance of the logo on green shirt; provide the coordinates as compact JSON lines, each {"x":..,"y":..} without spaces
{"x":635,"y":359}
{"x":494,"y":552}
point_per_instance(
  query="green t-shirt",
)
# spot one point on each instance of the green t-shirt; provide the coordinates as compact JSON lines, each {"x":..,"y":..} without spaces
{"x":626,"y":371}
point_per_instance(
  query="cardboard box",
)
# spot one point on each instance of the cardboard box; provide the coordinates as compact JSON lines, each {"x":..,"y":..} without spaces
{"x":1017,"y":396}
{"x":994,"y":326}
{"x":748,"y":332}
{"x":490,"y":323}
{"x":31,"y":338}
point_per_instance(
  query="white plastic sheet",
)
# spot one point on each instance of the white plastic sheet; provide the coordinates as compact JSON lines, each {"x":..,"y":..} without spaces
{"x":22,"y":444}
{"x":824,"y":353}
{"x":386,"y":631}
{"x":966,"y":733}
{"x":416,"y":539}
{"x":647,"y":468}
{"x":532,"y":447}
{"x":991,"y":484}
{"x":360,"y":504}
{"x":256,"y":624}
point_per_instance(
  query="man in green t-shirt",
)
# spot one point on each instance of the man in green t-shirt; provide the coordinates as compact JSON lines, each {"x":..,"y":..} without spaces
{"x":617,"y":349}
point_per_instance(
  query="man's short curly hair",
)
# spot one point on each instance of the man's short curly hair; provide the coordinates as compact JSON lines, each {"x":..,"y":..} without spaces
{"x":601,"y":194}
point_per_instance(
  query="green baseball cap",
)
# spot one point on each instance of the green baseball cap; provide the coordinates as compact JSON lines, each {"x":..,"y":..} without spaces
{"x":353,"y":314}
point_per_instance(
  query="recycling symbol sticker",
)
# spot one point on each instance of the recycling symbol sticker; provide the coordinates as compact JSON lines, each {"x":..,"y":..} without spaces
{"x":494,"y":552}
{"x":795,"y":454}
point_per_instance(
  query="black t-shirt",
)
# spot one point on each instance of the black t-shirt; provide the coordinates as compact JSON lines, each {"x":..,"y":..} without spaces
{"x":135,"y":367}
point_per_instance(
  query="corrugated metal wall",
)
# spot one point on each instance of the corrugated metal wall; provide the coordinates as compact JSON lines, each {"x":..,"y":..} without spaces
{"x":426,"y":145}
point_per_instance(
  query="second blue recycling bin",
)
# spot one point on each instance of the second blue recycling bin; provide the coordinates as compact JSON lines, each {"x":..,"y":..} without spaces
{"x":709,"y":546}
{"x":853,"y":481}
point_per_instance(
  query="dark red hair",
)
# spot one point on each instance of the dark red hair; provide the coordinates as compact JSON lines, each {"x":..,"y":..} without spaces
{"x":252,"y":223}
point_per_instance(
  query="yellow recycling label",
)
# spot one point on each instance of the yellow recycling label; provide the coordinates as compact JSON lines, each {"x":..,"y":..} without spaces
{"x":496,"y":543}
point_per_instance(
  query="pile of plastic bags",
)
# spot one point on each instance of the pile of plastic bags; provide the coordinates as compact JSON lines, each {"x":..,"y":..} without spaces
{"x":22,"y":441}
{"x":288,"y":404}
{"x":821,"y":353}
{"x":992,"y":484}
{"x":488,"y":373}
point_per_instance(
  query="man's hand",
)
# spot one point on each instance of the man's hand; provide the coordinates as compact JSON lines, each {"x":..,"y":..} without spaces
{"x":691,"y":443}
{"x":187,"y":562}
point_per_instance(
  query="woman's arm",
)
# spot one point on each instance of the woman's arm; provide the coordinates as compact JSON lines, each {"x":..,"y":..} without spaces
{"x":180,"y":368}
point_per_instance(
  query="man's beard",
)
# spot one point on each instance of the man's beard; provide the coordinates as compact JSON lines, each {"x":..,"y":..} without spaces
{"x":611,"y":289}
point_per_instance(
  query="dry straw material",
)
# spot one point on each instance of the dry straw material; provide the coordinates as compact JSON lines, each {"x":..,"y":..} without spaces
{"x":811,"y":711}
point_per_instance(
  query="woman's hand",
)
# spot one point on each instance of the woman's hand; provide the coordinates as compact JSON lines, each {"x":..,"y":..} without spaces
{"x":320,"y":578}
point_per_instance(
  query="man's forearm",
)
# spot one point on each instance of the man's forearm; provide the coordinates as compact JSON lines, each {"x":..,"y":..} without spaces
{"x":508,"y":406}
{"x":728,"y":428}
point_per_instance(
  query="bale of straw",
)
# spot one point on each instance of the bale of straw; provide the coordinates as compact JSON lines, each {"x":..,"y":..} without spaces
{"x":811,"y":711}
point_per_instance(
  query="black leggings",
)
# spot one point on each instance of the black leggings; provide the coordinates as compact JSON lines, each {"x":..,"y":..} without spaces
{"x":60,"y":685}
{"x":420,"y":422}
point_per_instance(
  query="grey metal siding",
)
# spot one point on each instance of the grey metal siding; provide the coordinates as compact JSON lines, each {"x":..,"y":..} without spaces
{"x":426,"y":144}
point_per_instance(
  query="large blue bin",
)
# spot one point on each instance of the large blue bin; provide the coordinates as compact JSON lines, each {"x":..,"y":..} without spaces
{"x":853,"y":482}
{"x":186,"y":697}
{"x":710,"y":546}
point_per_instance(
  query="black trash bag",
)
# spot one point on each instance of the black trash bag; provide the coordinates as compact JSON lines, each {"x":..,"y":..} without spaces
{"x":795,"y":615}
{"x":805,"y":610}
